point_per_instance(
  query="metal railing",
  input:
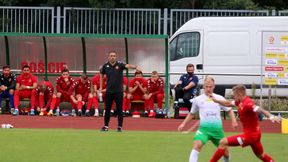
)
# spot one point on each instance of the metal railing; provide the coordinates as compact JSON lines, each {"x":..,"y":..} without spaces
{"x":112,"y":21}
{"x":27,"y":19}
{"x":178,"y":17}
{"x":108,"y":21}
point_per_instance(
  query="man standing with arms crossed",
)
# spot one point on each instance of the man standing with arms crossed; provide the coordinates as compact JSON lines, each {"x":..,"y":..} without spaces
{"x":113,"y":69}
{"x":210,"y":120}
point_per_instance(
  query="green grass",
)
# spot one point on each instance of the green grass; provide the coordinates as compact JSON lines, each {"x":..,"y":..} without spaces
{"x":129,"y":146}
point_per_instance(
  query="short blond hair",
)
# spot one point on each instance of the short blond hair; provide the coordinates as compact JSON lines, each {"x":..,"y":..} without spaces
{"x":209,"y":78}
{"x":239,"y":88}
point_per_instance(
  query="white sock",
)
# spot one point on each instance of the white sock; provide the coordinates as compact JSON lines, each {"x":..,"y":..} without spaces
{"x":193,"y":156}
{"x":226,"y":159}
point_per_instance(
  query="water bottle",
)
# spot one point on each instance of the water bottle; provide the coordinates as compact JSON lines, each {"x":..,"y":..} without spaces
{"x":100,"y":95}
{"x":279,"y":115}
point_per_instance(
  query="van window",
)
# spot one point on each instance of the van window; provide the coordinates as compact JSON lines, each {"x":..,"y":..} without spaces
{"x":185,"y":45}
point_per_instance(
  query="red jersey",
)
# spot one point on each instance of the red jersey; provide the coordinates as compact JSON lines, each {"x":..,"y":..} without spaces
{"x":26,"y":80}
{"x":62,"y":86}
{"x":81,"y":88}
{"x":248,"y":117}
{"x":96,"y":81}
{"x":49,"y":90}
{"x":48,"y":93}
{"x":155,"y":87}
{"x":138,"y":91}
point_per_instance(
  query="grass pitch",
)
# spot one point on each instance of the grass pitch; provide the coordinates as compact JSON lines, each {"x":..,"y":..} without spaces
{"x":41,"y":145}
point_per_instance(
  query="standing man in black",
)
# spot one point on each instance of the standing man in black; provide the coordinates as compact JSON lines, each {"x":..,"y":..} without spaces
{"x":7,"y":86}
{"x":113,"y":69}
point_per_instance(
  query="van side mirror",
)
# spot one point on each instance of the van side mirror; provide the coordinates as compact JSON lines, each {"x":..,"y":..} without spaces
{"x":199,"y":66}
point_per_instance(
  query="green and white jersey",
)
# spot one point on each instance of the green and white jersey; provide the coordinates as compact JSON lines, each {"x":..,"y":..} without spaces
{"x":209,"y":111}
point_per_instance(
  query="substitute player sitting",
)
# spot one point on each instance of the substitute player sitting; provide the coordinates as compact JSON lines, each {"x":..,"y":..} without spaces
{"x":25,"y":89}
{"x":155,"y":92}
{"x":97,"y":94}
{"x":63,"y":84}
{"x":248,"y":113}
{"x":44,"y":94}
{"x":80,"y":93}
{"x":138,"y":89}
{"x":210,"y":120}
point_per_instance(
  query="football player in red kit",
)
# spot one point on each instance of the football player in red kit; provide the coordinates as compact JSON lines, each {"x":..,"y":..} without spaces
{"x":82,"y":94}
{"x":44,"y":93}
{"x":63,"y":84}
{"x":155,"y":92}
{"x":138,"y":89}
{"x":248,"y":113}
{"x":25,"y":88}
{"x":96,"y":93}
{"x":125,"y":104}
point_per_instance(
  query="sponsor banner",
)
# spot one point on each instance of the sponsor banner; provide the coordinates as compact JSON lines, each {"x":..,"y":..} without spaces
{"x":270,"y":81}
{"x":282,"y":81}
{"x":274,"y":68}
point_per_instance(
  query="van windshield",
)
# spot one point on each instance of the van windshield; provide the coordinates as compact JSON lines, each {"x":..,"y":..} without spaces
{"x":185,"y":45}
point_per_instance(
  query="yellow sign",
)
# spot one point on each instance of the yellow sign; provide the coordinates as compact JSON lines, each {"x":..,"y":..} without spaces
{"x":283,"y":62}
{"x":286,"y":69}
{"x":270,"y":81}
{"x":281,"y":75}
{"x":271,"y":55}
{"x":284,"y":125}
{"x":281,"y":55}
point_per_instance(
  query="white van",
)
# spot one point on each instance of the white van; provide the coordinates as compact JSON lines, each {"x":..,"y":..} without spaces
{"x":228,"y":48}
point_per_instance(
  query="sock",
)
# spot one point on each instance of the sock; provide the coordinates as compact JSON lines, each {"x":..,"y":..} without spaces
{"x":79,"y":105}
{"x":226,"y":159}
{"x":217,"y":155}
{"x":193,"y":156}
{"x":267,"y":158}
{"x":89,"y":104}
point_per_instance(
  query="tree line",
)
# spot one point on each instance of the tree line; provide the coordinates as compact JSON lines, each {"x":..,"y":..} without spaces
{"x":180,"y":4}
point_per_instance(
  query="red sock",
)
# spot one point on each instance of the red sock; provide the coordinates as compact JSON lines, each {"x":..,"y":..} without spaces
{"x":57,"y":102}
{"x":33,"y":98}
{"x":41,"y":101}
{"x":79,"y":105}
{"x":267,"y":158}
{"x":217,"y":155}
{"x":16,"y":99}
{"x":124,"y":104}
{"x":95,"y":101}
{"x":53,"y":103}
{"x":89,"y":104}
{"x":146,"y":105}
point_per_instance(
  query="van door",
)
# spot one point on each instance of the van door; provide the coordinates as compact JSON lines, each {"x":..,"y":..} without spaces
{"x":186,"y":48}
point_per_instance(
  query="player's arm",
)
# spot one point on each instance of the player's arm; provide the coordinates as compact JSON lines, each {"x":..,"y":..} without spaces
{"x":130,"y":66}
{"x":223,"y":102}
{"x":13,"y":82}
{"x":143,"y":88}
{"x":188,"y":118}
{"x":233,"y":118}
{"x":266,"y":113}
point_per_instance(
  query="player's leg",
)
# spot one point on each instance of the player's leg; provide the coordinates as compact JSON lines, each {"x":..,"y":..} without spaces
{"x":216,"y":137}
{"x":11,"y":99}
{"x":259,"y":152}
{"x":89,"y":104}
{"x":79,"y":102}
{"x":200,"y":140}
{"x":236,"y":140}
{"x":119,"y":102}
{"x":16,"y":102}
{"x":186,"y":98}
{"x":32,"y":101}
{"x":96,"y":105}
{"x":108,"y":100}
{"x":160,"y":97}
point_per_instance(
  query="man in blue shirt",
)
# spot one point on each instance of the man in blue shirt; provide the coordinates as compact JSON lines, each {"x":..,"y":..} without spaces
{"x":186,"y":86}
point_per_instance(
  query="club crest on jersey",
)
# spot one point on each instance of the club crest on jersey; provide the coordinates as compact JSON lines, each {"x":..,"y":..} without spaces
{"x":117,"y":67}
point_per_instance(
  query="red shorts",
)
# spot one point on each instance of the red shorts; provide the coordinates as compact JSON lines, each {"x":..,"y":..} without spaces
{"x":137,"y":97}
{"x":25,"y":94}
{"x":251,"y":139}
{"x":65,"y":98}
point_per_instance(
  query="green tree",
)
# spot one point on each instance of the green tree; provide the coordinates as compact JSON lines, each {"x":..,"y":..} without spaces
{"x":230,"y":4}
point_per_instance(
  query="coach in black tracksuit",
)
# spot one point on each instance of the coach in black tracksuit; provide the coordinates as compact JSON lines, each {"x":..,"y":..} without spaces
{"x":114,"y":91}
